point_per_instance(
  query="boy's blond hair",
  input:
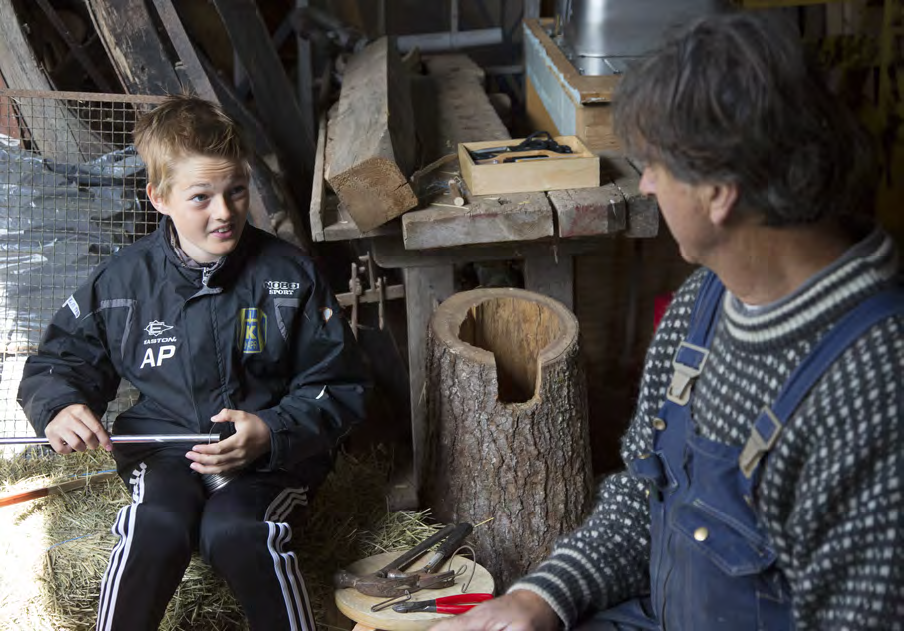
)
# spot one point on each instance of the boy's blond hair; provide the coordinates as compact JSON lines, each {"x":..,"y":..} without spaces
{"x":182,"y":126}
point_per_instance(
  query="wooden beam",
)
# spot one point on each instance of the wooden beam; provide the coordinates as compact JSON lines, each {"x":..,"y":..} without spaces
{"x":551,"y":275}
{"x":512,"y":217}
{"x":58,"y":134}
{"x":274,"y":97}
{"x":133,"y":45}
{"x":75,"y":47}
{"x":305,"y":79}
{"x":588,"y":212}
{"x":371,"y":150}
{"x":317,"y":188}
{"x":643,"y":211}
{"x":425,"y":289}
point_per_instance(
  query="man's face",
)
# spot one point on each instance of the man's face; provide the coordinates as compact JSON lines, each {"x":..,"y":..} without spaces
{"x":208,"y":204}
{"x":684,"y":210}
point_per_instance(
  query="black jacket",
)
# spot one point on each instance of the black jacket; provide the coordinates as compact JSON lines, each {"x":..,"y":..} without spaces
{"x":262,"y":334}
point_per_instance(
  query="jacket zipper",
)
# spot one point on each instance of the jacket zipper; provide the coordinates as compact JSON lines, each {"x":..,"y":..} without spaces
{"x":206,"y":273}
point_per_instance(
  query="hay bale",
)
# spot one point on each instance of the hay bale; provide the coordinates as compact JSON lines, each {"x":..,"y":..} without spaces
{"x":57,"y":547}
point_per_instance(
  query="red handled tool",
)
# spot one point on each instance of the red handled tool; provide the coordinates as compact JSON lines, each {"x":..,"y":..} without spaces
{"x":459,"y":603}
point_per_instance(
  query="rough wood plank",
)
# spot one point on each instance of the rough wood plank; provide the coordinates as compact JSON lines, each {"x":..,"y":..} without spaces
{"x":587,"y":212}
{"x":58,"y":134}
{"x":463,"y":110}
{"x":133,"y":45}
{"x":425,"y":289}
{"x":642,"y":210}
{"x":273,"y":94}
{"x":337,"y":224}
{"x":390,"y":253}
{"x":593,"y":123}
{"x":514,"y":217}
{"x":552,"y":275}
{"x":372,"y":151}
{"x":317,"y":188}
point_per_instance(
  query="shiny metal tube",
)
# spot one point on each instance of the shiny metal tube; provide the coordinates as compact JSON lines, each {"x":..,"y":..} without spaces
{"x":148,"y":438}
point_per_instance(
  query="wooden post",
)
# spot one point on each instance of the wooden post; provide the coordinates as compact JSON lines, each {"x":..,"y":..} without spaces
{"x":507,"y":412}
{"x":425,"y":289}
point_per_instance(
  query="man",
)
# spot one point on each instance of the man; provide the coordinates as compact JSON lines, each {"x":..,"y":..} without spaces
{"x":764,"y":484}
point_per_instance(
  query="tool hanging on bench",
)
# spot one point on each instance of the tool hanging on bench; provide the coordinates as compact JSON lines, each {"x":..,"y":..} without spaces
{"x":533,"y":143}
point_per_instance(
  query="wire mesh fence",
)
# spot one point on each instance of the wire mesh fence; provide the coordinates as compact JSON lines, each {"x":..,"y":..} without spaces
{"x":71,"y":194}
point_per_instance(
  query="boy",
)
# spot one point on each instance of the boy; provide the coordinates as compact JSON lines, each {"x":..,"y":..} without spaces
{"x":221,"y":328}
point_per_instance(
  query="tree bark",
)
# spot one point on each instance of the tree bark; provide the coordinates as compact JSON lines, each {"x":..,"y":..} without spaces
{"x":507,"y":416}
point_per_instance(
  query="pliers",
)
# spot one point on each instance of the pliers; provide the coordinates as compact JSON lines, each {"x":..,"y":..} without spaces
{"x":459,"y":603}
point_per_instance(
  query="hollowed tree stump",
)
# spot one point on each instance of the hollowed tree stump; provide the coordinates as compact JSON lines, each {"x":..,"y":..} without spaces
{"x":507,"y":421}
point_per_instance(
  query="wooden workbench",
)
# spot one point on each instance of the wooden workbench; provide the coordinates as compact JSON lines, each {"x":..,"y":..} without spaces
{"x":545,"y":230}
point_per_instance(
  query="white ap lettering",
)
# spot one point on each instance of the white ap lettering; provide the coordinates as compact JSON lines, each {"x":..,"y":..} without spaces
{"x":163,"y":352}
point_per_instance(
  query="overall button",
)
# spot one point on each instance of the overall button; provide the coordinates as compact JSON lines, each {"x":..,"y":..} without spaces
{"x":658,"y":424}
{"x":701,"y":534}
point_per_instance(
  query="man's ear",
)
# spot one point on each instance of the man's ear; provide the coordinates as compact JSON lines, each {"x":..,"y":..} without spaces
{"x":722,"y":199}
{"x":157,"y":200}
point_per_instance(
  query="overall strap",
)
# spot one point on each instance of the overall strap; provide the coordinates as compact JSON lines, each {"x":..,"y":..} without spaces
{"x":692,"y":352}
{"x":853,"y":325}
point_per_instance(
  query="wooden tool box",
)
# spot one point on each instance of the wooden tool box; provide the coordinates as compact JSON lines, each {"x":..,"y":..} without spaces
{"x":578,"y":169}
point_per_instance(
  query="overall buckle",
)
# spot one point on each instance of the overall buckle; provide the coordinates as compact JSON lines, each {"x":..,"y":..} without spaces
{"x":688,"y":364}
{"x":762,"y":438}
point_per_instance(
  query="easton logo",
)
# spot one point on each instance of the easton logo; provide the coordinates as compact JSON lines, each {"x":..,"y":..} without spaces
{"x":157,"y":328}
{"x":252,"y":330}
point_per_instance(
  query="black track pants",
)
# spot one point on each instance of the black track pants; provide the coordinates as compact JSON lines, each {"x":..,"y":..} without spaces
{"x":240,"y":531}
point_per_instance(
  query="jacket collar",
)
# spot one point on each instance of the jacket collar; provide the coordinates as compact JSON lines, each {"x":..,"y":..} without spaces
{"x":231,"y":261}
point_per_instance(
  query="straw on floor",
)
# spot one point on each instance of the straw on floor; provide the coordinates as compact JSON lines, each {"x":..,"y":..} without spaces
{"x":55,"y":549}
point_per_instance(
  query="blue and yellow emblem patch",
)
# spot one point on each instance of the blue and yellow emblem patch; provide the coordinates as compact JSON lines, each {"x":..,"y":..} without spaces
{"x":252,"y":330}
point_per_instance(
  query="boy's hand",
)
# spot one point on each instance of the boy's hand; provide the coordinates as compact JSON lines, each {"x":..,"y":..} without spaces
{"x":75,"y":428}
{"x":250,"y":441}
{"x":521,"y":610}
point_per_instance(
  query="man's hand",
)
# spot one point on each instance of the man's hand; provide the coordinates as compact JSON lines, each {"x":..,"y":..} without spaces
{"x":520,"y":610}
{"x":75,"y":428}
{"x":251,"y":440}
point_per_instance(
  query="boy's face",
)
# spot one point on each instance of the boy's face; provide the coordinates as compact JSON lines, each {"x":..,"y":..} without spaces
{"x":208,"y":204}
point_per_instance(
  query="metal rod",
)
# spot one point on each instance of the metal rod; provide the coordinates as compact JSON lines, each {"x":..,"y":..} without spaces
{"x":437,"y":42}
{"x":147,"y":438}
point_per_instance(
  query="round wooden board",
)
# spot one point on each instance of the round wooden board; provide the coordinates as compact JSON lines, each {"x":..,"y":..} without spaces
{"x":356,"y":605}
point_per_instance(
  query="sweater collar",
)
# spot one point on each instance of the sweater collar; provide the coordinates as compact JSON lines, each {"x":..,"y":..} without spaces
{"x":867,"y":267}
{"x":175,"y":255}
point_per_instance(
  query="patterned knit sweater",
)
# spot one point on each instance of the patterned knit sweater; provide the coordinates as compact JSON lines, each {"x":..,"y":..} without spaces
{"x":831,"y":496}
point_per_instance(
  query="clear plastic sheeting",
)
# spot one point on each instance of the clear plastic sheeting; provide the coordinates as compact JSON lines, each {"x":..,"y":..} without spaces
{"x":59,"y":218}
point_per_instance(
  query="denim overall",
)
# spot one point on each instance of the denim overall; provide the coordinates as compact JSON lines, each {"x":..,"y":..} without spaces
{"x":712,"y":566}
